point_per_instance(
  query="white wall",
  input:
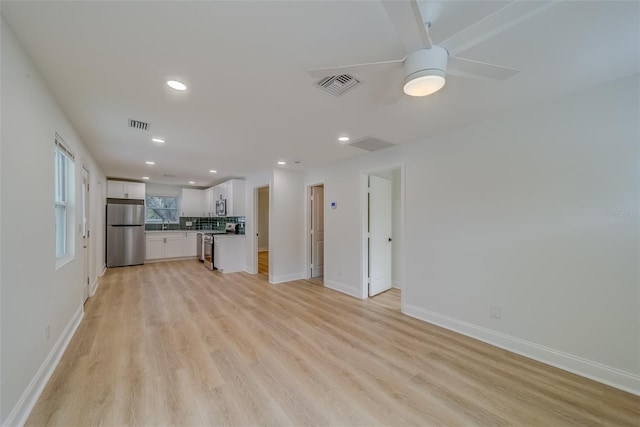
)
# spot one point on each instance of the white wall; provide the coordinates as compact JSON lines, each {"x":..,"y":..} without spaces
{"x":163,"y":190}
{"x":263,"y":219}
{"x":34,"y":293}
{"x":536,"y":212}
{"x":286,"y":236}
{"x":286,"y":223}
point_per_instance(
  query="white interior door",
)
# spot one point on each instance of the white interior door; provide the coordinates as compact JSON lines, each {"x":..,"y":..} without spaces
{"x":379,"y":235}
{"x":317,"y":231}
{"x":85,"y":233}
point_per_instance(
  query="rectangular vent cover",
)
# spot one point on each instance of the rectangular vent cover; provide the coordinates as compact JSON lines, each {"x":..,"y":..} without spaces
{"x":370,"y":144}
{"x":337,"y":85}
{"x":136,"y":124}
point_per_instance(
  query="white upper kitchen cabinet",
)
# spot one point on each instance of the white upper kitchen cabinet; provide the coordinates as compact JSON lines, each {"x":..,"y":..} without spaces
{"x":192,"y":202}
{"x":125,"y":190}
{"x":233,"y":192}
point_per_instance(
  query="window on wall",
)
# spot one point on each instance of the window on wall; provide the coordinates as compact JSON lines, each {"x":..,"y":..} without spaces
{"x":162,"y":209}
{"x":63,"y":183}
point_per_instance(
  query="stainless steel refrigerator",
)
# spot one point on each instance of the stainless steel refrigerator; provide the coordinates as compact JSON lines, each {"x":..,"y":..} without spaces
{"x":125,"y":232}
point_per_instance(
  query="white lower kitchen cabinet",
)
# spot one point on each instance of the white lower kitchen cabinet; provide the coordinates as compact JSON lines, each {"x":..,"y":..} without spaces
{"x":170,"y":244}
{"x":174,"y":246}
{"x":154,"y":247}
{"x":228,"y":253}
{"x":190,"y":244}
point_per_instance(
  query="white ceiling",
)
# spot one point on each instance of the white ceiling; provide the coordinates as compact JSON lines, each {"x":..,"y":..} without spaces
{"x":250,"y":100}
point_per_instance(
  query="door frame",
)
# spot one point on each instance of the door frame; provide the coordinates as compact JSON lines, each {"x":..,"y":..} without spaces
{"x":254,"y":230}
{"x":364,"y":222}
{"x":307,"y":227}
{"x":86,"y":215}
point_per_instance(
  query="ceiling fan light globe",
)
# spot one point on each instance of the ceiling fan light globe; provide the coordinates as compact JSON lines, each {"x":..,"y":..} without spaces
{"x":424,"y":85}
{"x":425,"y":71}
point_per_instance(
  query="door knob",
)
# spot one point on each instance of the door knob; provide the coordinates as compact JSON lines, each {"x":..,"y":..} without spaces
{"x":389,"y":238}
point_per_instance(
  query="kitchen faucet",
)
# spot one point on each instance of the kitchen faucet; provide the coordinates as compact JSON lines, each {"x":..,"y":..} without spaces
{"x":164,"y":227}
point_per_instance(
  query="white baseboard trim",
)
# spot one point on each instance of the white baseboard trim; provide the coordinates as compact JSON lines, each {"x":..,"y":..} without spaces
{"x":341,"y":287}
{"x":182,"y":258}
{"x":396,"y":284}
{"x":586,"y":368}
{"x":104,"y":270}
{"x":29,"y":398}
{"x":287,"y":278}
{"x":94,"y":286}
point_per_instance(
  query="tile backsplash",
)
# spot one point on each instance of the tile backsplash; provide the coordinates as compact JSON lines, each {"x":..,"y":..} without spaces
{"x":200,"y":223}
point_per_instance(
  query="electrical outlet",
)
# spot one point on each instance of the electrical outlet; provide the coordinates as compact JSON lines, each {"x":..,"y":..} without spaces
{"x":495,"y":312}
{"x":47,"y":332}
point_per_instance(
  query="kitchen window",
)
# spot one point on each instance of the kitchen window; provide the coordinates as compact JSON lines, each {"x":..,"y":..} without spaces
{"x":63,"y":197}
{"x":162,"y":209}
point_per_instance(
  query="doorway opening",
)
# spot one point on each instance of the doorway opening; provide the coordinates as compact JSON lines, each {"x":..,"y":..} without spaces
{"x":84,"y":207}
{"x":262,"y":230}
{"x":316,"y":232}
{"x":382,"y":245}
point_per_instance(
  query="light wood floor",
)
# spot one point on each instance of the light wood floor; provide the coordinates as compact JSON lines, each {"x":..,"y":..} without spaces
{"x":176,"y":344}
{"x":263,"y":262}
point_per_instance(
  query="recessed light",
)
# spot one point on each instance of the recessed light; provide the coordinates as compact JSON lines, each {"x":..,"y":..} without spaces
{"x":213,"y":171}
{"x":158,"y":140}
{"x":343,"y":139}
{"x":282,"y":163}
{"x":174,"y":84}
{"x":145,"y":177}
{"x":149,"y":162}
{"x":192,"y":182}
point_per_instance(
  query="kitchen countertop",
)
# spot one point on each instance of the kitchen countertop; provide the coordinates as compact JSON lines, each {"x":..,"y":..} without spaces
{"x":185,"y":231}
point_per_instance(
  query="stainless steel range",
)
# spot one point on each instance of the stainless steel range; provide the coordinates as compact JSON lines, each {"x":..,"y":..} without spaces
{"x":207,"y":251}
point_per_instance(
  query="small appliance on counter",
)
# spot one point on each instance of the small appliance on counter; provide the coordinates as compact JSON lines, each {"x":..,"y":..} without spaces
{"x":232,"y":228}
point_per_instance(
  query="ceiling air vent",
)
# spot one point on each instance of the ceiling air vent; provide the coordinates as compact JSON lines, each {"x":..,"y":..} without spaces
{"x":337,"y":85}
{"x":370,"y":144}
{"x":136,"y":124}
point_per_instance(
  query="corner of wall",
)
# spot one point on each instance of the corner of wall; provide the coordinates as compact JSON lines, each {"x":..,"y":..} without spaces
{"x":341,"y":287}
{"x":596,"y":371}
{"x":29,"y":398}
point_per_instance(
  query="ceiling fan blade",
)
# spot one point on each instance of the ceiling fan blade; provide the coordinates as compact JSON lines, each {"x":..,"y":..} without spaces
{"x":356,"y":68}
{"x":461,"y":67}
{"x":501,"y":20}
{"x":407,"y":20}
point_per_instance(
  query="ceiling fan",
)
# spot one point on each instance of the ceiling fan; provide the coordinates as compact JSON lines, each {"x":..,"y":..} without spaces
{"x":427,"y":64}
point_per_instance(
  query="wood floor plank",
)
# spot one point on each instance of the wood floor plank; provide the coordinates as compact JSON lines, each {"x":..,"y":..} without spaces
{"x":169,"y":344}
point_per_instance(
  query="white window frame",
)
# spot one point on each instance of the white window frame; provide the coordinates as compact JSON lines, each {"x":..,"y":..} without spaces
{"x":63,"y":200}
{"x":176,"y":209}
